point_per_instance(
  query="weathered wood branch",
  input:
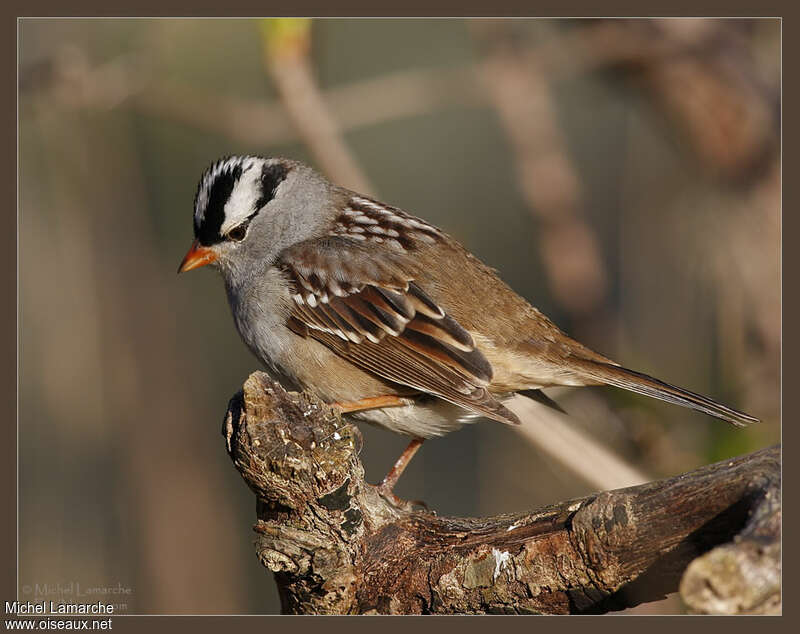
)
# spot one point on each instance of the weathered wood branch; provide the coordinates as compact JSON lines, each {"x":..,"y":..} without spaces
{"x":336,"y":546}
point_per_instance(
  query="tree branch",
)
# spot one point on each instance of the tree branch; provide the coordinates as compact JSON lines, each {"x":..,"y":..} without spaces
{"x":336,"y":546}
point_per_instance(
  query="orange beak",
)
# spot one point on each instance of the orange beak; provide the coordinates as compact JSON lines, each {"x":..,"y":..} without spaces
{"x":197,"y":256}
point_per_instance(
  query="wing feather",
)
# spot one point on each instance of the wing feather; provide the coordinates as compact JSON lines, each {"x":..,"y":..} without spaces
{"x":365,"y":305}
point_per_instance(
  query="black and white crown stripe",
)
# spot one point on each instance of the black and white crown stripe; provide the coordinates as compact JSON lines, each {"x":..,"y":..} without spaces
{"x":232,"y":165}
{"x":220,"y":205}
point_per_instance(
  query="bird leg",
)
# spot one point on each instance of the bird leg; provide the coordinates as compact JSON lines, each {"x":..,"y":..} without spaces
{"x":372,"y":402}
{"x":385,"y":488}
{"x":402,"y":462}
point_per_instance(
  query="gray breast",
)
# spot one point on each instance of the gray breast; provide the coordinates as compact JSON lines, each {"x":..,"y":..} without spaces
{"x":260,"y":310}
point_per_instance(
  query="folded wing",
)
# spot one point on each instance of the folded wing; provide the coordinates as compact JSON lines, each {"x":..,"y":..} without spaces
{"x":364,"y":304}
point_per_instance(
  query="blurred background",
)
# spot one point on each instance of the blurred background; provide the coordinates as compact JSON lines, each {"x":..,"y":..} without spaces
{"x":623,"y":176}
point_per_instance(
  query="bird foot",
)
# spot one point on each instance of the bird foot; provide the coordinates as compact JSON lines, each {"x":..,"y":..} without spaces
{"x":409,"y":506}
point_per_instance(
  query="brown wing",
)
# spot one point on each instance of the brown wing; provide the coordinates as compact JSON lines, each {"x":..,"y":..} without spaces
{"x":363,"y":303}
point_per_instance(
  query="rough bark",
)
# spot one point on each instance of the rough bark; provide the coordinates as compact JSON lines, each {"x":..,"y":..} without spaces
{"x":336,"y":546}
{"x":743,"y":576}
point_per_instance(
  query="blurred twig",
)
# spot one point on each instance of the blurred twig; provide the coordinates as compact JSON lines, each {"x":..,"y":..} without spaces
{"x":574,"y":448}
{"x":286,"y":43}
{"x":710,"y":89}
{"x":70,"y":81}
{"x":660,"y":52}
{"x":520,"y":93}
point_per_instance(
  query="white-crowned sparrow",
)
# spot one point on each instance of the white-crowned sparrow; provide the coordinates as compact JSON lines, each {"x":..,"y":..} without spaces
{"x":380,"y":312}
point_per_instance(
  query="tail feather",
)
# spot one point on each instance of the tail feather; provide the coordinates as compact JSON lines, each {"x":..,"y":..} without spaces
{"x":541,"y":397}
{"x":647,"y":385}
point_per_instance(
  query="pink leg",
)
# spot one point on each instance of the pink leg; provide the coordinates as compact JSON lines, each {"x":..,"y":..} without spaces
{"x":402,"y":462}
{"x":386,"y":487}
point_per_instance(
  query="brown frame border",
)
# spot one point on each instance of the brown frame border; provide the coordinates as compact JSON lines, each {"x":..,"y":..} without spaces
{"x":409,"y":8}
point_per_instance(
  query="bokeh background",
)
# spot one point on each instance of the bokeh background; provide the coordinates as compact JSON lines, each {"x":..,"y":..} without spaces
{"x":624,"y":176}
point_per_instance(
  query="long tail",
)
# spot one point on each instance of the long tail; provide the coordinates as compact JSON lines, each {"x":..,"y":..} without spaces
{"x":647,"y":385}
{"x":541,"y":397}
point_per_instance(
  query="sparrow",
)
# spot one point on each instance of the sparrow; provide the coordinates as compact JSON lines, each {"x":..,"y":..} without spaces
{"x":382,"y":314}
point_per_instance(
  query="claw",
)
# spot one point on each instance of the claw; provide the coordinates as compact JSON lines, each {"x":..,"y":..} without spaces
{"x":404,"y":505}
{"x":385,"y":487}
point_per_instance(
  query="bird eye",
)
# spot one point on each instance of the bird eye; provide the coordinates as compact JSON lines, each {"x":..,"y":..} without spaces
{"x":238,"y":233}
